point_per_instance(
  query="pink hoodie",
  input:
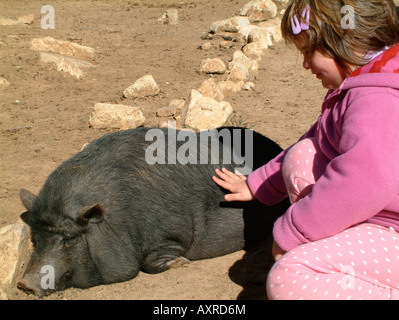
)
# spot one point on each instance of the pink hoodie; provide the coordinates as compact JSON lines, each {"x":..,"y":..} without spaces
{"x":358,"y":130}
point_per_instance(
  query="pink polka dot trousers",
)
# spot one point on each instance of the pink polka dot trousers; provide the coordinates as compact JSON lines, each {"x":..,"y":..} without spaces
{"x":359,"y":263}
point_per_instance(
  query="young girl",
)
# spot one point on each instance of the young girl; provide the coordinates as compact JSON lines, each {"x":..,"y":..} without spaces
{"x":339,"y":239}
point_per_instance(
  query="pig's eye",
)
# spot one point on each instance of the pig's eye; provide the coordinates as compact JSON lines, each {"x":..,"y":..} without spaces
{"x":68,"y":242}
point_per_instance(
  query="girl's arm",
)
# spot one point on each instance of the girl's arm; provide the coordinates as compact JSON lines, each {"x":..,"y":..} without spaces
{"x":267,"y":183}
{"x":359,"y":183}
{"x":260,"y":184}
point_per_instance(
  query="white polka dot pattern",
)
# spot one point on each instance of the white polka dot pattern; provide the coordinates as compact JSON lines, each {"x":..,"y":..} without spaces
{"x":359,"y":263}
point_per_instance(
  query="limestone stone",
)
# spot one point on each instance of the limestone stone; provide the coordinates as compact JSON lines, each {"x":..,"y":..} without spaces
{"x":240,"y":57}
{"x":230,"y":87}
{"x":3,"y":295}
{"x":75,"y":67}
{"x":209,"y":88}
{"x":215,"y":65}
{"x":14,"y":247}
{"x":239,"y":72}
{"x":143,"y":87}
{"x":8,"y":22}
{"x":4,"y":82}
{"x":273,"y":26}
{"x":119,"y":116}
{"x":28,"y":19}
{"x":171,"y":17}
{"x":229,"y":25}
{"x":205,"y":113}
{"x":254,"y":50}
{"x":260,"y":35}
{"x":66,"y":48}
{"x":281,"y":4}
{"x":259,"y":10}
{"x":205,"y":46}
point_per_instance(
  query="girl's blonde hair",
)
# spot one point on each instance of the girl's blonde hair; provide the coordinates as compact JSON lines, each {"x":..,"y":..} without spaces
{"x":375,"y":26}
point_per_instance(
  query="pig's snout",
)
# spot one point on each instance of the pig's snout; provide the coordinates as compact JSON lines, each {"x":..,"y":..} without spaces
{"x":30,"y":288}
{"x":34,"y":285}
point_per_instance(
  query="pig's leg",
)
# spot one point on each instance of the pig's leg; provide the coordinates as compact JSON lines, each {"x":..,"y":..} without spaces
{"x":164,"y":258}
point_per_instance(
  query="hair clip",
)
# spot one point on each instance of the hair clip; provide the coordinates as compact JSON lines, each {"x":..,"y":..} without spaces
{"x":297,"y":26}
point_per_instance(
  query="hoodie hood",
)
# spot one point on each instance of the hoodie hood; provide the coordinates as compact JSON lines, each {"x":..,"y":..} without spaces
{"x":382,"y":71}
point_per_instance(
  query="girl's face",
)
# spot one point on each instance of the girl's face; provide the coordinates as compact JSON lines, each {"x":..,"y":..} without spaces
{"x":325,"y":68}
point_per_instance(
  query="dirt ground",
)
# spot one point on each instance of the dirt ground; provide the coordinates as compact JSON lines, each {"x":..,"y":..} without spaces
{"x":44,"y":113}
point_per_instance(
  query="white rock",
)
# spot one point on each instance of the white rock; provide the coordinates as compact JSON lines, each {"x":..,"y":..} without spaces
{"x":143,"y":87}
{"x":236,"y":23}
{"x":274,"y":27}
{"x":3,"y":295}
{"x":244,"y":32}
{"x":71,"y":68}
{"x":248,"y":86}
{"x":28,"y":19}
{"x":75,"y":67}
{"x":254,"y":50}
{"x":281,"y":3}
{"x":230,"y":87}
{"x":205,"y":46}
{"x":4,"y":82}
{"x":66,"y":48}
{"x":218,"y":25}
{"x":171,"y":17}
{"x":119,"y":116}
{"x":239,"y":72}
{"x":209,"y":88}
{"x":240,"y":57}
{"x":215,"y":65}
{"x":259,"y":10}
{"x":205,"y":113}
{"x":226,"y":45}
{"x":229,"y":25}
{"x":14,"y":245}
{"x":260,"y":35}
{"x":8,"y":22}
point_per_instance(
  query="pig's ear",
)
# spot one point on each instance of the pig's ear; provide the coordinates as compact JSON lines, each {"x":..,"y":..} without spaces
{"x":25,"y":217}
{"x":90,"y":214}
{"x":27,"y":198}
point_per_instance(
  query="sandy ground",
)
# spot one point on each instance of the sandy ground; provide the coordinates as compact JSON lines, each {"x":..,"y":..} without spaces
{"x":44,"y":113}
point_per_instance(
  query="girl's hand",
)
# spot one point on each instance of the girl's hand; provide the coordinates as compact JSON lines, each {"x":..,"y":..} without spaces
{"x":235,"y":183}
{"x":277,"y":251}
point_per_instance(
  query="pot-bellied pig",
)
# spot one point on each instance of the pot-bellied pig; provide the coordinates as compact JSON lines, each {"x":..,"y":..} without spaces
{"x":142,"y":199}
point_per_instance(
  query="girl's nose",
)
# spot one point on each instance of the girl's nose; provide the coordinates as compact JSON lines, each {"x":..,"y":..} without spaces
{"x":306,"y":64}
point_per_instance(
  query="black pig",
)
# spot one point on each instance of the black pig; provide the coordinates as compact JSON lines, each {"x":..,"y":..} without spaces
{"x":120,"y":206}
